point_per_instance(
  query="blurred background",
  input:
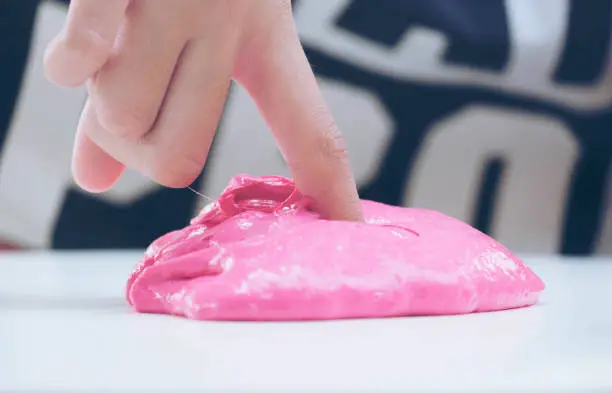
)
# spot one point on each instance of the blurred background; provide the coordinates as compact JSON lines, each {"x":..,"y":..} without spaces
{"x":494,"y":112}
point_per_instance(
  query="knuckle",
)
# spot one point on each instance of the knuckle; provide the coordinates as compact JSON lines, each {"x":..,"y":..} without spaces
{"x":133,"y":123}
{"x":332,"y":146}
{"x":326,"y":152}
{"x":88,"y":42}
{"x":176,"y":171}
{"x":330,"y":143}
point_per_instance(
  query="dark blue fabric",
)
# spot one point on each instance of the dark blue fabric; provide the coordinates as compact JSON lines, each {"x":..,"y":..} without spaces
{"x":478,"y":34}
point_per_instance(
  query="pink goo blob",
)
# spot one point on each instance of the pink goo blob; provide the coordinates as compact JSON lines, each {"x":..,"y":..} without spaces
{"x":260,"y":253}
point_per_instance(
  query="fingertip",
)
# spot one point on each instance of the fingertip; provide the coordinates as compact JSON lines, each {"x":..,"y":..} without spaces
{"x":54,"y":66}
{"x":339,"y":202}
{"x":351,"y":212}
{"x":93,"y":169}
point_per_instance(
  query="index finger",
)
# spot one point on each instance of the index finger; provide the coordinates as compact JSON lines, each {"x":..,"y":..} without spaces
{"x":284,"y":88}
{"x":282,"y":83}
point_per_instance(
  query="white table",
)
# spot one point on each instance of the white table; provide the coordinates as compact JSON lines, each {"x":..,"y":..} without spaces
{"x":64,"y":325}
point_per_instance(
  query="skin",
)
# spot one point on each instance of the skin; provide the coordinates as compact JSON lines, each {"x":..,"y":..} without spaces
{"x":158,"y":75}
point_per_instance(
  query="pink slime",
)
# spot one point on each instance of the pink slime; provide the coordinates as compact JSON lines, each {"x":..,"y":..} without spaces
{"x":260,"y":253}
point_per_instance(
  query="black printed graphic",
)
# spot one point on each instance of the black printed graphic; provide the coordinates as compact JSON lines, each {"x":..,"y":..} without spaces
{"x":585,"y":205}
{"x":477,"y":28}
{"x":587,"y":43}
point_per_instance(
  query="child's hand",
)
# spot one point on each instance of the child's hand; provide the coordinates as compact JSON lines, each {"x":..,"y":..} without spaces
{"x":158,"y":71}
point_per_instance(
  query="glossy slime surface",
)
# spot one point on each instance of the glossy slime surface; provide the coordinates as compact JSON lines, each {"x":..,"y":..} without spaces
{"x":259,"y":252}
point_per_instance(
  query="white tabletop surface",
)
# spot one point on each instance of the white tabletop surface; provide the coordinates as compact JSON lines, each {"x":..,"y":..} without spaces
{"x":64,"y":325}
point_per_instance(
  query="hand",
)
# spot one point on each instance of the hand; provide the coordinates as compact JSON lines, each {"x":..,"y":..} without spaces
{"x":158,"y":72}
